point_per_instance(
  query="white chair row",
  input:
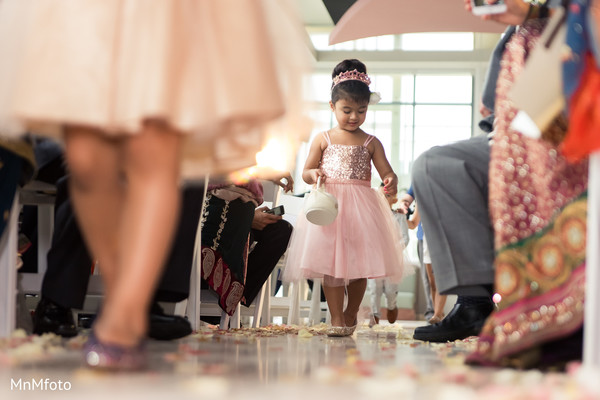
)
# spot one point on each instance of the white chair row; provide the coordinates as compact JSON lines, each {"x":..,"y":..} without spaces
{"x":42,"y":195}
{"x":194,"y":306}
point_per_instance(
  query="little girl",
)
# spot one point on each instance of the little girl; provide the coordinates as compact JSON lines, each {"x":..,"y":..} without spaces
{"x":362,"y":242}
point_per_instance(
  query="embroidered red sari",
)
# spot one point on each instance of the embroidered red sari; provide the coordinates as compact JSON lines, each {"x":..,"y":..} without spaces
{"x":538,"y":210}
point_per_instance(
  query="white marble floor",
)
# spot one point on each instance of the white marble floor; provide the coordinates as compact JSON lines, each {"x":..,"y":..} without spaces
{"x":278,"y":363}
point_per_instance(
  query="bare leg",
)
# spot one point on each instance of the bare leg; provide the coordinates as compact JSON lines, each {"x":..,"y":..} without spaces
{"x":439,"y":301}
{"x":335,"y":302}
{"x":438,"y":307}
{"x":356,"y":291}
{"x":145,"y":220}
{"x":96,"y":189}
{"x":431,"y":281}
{"x":150,"y":213}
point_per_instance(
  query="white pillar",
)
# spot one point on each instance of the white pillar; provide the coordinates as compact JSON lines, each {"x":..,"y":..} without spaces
{"x":8,"y":272}
{"x":591,"y":335}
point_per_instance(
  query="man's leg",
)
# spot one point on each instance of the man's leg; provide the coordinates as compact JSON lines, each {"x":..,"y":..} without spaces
{"x":451,"y":188}
{"x":69,"y":267}
{"x":174,"y":285}
{"x":272,"y":242}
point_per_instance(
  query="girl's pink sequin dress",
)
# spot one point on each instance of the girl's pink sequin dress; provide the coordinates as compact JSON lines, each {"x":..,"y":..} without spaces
{"x":364,"y":240}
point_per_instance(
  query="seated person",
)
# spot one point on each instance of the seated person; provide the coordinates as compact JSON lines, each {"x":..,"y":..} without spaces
{"x":230,"y":225}
{"x":65,"y":282}
{"x":69,"y":266}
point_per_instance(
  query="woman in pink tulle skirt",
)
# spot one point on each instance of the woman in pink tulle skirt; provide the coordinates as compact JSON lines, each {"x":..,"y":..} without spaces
{"x":363,"y":241}
{"x":140,"y":92}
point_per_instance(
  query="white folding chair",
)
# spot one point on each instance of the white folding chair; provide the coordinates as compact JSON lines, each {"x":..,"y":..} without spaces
{"x":8,"y":272}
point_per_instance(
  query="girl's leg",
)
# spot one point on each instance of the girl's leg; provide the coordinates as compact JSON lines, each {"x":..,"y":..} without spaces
{"x":335,"y":302}
{"x":438,"y":307}
{"x":356,"y":291}
{"x":439,"y":301}
{"x":391,"y":295}
{"x":150,"y":212}
{"x":432,"y":284}
{"x":377,"y":291}
{"x":96,"y":191}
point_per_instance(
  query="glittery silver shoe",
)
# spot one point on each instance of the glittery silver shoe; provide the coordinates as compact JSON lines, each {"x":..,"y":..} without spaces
{"x":336,"y":331}
{"x":100,"y":355}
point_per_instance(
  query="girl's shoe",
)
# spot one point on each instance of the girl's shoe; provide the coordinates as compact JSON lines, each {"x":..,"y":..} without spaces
{"x":100,"y":355}
{"x":349,"y":330}
{"x":336,"y":331}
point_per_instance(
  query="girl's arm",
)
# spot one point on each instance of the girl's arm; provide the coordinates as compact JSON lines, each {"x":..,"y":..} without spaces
{"x":413,"y":222}
{"x":383,"y":167}
{"x":311,"y":171}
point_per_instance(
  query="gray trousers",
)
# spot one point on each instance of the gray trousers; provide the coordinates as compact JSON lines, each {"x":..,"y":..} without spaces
{"x":451,"y":190}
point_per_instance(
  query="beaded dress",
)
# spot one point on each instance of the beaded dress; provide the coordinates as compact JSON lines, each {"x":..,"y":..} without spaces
{"x":538,"y":207}
{"x":364,"y":241}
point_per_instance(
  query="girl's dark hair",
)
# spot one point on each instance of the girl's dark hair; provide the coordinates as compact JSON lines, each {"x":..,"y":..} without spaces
{"x":356,"y":91}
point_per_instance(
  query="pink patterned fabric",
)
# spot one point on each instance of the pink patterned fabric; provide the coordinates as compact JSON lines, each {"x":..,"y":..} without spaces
{"x":529,"y":179}
{"x":538,"y":209}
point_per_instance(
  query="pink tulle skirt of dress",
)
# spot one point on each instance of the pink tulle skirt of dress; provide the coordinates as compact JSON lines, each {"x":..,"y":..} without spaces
{"x":364,"y":241}
{"x":212,"y":70}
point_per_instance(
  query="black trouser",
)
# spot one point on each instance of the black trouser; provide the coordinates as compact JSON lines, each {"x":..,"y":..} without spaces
{"x":272,"y":242}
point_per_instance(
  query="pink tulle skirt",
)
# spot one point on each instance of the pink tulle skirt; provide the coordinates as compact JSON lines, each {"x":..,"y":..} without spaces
{"x":213,"y":70}
{"x":364,"y":241}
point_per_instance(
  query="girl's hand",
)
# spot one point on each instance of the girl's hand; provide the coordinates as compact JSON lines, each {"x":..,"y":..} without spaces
{"x":390,"y":185}
{"x":314,"y":174}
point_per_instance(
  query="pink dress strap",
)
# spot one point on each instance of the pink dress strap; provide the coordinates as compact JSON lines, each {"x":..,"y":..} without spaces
{"x":369,"y":139}
{"x":326,"y":136}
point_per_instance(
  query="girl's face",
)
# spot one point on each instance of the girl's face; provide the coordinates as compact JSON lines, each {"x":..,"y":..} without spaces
{"x":349,"y":115}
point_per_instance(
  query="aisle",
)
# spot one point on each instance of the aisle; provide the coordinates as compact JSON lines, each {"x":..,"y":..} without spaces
{"x":282,"y":363}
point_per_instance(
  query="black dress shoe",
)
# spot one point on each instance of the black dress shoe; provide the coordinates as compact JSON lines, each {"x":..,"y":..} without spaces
{"x":463,"y":321}
{"x":50,"y":317}
{"x":167,"y":327}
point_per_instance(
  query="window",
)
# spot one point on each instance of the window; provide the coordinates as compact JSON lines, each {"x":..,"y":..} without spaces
{"x":380,"y":43}
{"x":438,"y":41}
{"x":417,"y":111}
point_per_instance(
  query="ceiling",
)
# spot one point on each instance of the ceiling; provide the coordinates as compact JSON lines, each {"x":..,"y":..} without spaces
{"x":320,"y":15}
{"x":314,"y":12}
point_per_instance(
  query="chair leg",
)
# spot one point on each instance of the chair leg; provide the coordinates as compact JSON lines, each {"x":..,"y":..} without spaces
{"x":8,"y":272}
{"x":314,"y":316}
{"x":294,"y":311}
{"x":45,"y":214}
{"x":193,"y":305}
{"x":235,"y":321}
{"x":224,"y":324}
{"x":266,"y":312}
{"x":258,"y":306}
